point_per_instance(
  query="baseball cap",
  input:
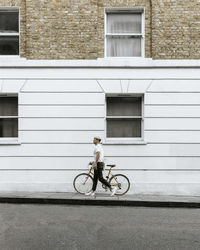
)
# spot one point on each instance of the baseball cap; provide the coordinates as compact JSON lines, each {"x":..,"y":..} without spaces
{"x":98,"y":138}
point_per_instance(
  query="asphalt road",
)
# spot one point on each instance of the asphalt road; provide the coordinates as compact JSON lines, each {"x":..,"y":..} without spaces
{"x":57,"y":227}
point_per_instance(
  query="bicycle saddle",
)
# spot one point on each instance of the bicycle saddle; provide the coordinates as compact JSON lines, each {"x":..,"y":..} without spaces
{"x":112,"y":165}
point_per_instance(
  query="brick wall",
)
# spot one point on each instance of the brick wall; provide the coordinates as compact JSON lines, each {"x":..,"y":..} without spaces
{"x":66,"y":29}
{"x":176,"y":29}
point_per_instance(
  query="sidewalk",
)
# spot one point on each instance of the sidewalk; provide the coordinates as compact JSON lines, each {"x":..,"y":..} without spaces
{"x":100,"y":199}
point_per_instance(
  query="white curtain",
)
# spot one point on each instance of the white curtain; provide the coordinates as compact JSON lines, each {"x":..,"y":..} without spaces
{"x":124,"y":23}
{"x":124,"y":47}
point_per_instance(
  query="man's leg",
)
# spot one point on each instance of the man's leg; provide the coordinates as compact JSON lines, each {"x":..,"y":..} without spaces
{"x":95,"y":180}
{"x":100,"y":176}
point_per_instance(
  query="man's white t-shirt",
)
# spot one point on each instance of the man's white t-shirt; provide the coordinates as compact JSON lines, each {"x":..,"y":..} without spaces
{"x":99,"y":148}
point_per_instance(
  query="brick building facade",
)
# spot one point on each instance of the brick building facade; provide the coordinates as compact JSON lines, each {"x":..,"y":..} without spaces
{"x":75,"y":29}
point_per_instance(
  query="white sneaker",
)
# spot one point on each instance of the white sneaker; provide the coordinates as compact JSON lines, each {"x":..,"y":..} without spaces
{"x":114,"y":190}
{"x":92,"y":193}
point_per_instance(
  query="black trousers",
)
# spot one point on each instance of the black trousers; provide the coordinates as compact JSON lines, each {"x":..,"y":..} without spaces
{"x":98,"y":176}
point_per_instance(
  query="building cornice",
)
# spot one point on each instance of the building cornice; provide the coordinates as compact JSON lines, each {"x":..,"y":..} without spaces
{"x":13,"y":62}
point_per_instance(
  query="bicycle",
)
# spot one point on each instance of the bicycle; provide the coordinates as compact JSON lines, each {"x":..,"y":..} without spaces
{"x":83,"y":182}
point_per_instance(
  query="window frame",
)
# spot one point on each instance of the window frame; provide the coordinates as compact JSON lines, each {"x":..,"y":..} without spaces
{"x":11,"y":9}
{"x":125,"y":140}
{"x":125,"y":10}
{"x":11,"y":140}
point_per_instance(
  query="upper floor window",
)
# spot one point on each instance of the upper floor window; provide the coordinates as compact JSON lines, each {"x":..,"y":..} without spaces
{"x":124,"y":33}
{"x":124,"y":117}
{"x":9,"y":31}
{"x":8,"y":116}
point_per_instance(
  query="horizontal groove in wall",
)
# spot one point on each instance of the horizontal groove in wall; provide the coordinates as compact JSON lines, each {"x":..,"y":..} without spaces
{"x":87,"y":156}
{"x":172,"y":117}
{"x":58,"y":143}
{"x":173,"y":92}
{"x":173,"y":142}
{"x":60,"y":92}
{"x":172,"y":130}
{"x":93,"y":105}
{"x":67,"y":117}
{"x":99,"y":78}
{"x":172,"y":104}
{"x":116,"y":170}
{"x":108,"y":144}
{"x":103,"y":130}
{"x":102,"y":117}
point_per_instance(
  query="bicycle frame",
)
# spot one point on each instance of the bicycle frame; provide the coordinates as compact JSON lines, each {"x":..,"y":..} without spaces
{"x":108,"y":177}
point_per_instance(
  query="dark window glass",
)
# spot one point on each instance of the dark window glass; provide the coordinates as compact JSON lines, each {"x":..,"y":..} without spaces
{"x":9,"y":127}
{"x":9,"y":45}
{"x":123,"y":128}
{"x":9,"y":106}
{"x":124,"y":106}
{"x":9,"y":21}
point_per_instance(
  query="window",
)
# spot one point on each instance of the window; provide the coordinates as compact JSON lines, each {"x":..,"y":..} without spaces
{"x":8,"y":116}
{"x":124,"y":33}
{"x":124,"y":117}
{"x":9,"y":31}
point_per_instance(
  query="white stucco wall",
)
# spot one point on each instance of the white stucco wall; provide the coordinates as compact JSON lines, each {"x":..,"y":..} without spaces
{"x":62,"y":106}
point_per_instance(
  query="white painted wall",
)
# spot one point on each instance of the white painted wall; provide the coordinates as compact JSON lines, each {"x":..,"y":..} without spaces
{"x":61,"y":108}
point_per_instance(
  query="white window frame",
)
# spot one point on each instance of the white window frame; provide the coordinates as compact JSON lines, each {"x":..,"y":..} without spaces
{"x":9,"y":9}
{"x":124,"y":140}
{"x":125,"y":10}
{"x":10,"y":140}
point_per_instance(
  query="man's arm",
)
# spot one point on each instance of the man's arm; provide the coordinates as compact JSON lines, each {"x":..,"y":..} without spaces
{"x":97,"y":157}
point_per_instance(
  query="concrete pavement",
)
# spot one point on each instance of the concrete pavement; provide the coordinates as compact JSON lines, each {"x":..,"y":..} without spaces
{"x":100,"y":199}
{"x":68,"y":227}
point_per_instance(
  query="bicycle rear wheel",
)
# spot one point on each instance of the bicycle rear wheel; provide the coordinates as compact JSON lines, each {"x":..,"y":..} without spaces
{"x":120,"y":181}
{"x":83,"y":183}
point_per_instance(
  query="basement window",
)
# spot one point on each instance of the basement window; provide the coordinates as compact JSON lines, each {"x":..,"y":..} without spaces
{"x":124,"y":118}
{"x":8,"y":116}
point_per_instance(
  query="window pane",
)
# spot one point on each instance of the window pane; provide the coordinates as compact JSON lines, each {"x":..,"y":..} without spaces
{"x":123,"y":46}
{"x":9,"y":106}
{"x":9,"y":127}
{"x":124,"y":106}
{"x":123,"y":127}
{"x":124,"y":23}
{"x":9,"y":21}
{"x":9,"y":45}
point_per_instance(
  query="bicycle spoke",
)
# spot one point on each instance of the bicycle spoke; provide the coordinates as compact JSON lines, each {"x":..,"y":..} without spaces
{"x":83,"y":183}
{"x":121,"y":182}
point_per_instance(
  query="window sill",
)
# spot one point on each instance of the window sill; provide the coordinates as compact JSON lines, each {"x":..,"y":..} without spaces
{"x":10,"y":142}
{"x":125,"y":142}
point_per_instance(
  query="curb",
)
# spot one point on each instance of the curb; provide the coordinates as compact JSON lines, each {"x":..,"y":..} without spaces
{"x":133,"y":203}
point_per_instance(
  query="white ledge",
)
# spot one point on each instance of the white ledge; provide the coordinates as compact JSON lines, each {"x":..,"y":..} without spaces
{"x":123,"y":62}
{"x":128,"y":142}
{"x":10,"y":142}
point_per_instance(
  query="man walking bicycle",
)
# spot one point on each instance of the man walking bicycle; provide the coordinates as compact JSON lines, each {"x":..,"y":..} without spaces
{"x":98,"y":165}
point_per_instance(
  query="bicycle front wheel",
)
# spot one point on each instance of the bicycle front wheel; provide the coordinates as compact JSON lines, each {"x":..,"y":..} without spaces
{"x":120,"y":181}
{"x":83,"y":183}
